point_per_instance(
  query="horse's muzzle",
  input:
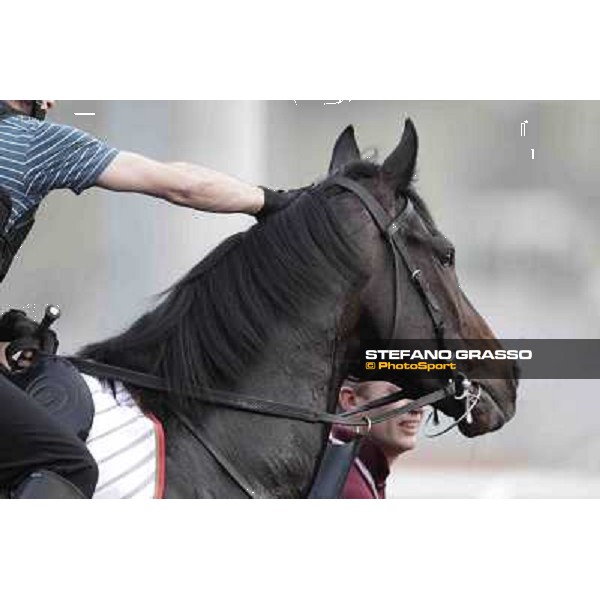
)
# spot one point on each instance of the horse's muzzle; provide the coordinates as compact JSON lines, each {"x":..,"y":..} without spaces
{"x":491,"y":413}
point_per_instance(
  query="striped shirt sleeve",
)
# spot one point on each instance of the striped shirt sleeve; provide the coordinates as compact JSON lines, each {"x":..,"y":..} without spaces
{"x":61,"y":156}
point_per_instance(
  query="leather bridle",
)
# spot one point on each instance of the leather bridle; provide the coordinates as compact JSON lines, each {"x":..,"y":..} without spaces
{"x":391,"y":230}
{"x":458,"y":387}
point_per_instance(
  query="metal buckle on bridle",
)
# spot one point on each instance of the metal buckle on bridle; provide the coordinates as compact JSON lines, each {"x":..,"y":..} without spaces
{"x":471,"y":398}
{"x":368,"y":424}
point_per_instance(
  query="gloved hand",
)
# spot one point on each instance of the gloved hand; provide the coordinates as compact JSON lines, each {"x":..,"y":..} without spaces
{"x":25,"y":335}
{"x":276,"y":200}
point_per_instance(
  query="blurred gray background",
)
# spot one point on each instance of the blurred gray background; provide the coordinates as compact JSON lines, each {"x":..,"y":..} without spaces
{"x":527,"y":251}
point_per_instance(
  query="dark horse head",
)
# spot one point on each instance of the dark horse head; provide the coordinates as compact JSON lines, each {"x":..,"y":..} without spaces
{"x":274,"y":313}
{"x":434,"y":256}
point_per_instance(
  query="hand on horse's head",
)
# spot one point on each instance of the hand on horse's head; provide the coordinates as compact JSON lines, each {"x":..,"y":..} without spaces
{"x":277,"y":200}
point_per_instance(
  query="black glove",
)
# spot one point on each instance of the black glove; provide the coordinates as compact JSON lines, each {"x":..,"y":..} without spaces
{"x":17,"y":327}
{"x":276,"y":200}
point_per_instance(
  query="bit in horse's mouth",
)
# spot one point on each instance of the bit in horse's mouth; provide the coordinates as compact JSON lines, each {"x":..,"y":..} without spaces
{"x":494,"y":418}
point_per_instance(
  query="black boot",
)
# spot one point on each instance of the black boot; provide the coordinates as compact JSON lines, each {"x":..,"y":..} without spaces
{"x":46,"y":485}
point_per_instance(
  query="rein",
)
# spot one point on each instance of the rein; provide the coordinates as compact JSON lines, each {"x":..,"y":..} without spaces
{"x":253,"y":404}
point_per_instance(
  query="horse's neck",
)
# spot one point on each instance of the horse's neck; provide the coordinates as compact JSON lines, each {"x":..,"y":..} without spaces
{"x":300,"y":365}
{"x":273,"y":453}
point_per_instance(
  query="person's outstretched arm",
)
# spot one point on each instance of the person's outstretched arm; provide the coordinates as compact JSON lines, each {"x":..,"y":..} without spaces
{"x":181,"y":183}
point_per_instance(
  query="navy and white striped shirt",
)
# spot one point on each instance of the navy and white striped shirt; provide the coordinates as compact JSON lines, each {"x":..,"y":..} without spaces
{"x":37,"y":157}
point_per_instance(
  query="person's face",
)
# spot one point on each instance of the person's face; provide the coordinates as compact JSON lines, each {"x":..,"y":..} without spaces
{"x":48,"y":104}
{"x":24,"y":106}
{"x":394,"y":436}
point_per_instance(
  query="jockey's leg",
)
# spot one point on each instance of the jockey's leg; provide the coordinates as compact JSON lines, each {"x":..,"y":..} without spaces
{"x":32,"y":440}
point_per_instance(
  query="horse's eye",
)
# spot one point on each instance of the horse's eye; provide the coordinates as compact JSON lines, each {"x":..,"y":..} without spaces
{"x":448,"y":259}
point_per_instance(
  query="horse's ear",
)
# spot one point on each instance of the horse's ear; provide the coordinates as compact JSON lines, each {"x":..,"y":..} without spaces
{"x":399,"y":167}
{"x":345,"y":150}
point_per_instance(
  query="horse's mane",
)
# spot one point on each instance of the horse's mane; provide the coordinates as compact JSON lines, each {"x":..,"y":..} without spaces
{"x":218,"y":318}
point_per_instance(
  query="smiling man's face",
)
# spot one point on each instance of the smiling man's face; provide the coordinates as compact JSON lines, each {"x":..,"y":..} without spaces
{"x":394,"y":436}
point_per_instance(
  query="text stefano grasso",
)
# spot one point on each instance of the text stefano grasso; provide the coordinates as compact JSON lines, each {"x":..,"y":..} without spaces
{"x":499,"y":354}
